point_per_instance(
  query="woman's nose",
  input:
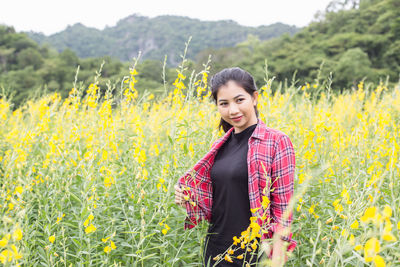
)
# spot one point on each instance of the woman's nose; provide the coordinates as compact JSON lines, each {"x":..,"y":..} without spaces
{"x":233,"y":109}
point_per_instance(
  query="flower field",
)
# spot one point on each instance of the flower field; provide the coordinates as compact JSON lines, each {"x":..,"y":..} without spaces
{"x":88,"y":181}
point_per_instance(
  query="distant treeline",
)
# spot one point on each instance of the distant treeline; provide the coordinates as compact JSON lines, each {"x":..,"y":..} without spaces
{"x":156,"y":37}
{"x":354,"y":42}
{"x":27,"y":69}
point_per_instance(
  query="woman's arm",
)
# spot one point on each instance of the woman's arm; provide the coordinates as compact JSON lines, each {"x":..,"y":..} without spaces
{"x":282,"y":182}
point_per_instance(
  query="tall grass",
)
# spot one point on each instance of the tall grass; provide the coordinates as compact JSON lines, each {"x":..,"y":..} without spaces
{"x":88,"y":181}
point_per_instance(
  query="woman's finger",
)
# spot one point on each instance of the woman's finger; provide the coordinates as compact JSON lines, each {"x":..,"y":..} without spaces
{"x":178,"y":188}
{"x":180,"y":202}
{"x":179,"y":196}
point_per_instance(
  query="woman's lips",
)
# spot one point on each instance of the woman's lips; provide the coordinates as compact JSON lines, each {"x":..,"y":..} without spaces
{"x":237,"y":119}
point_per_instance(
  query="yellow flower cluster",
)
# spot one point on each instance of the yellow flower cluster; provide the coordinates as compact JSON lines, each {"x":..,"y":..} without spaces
{"x":166,"y":227}
{"x":111,"y":246}
{"x":130,"y":92}
{"x":89,"y":228}
{"x":10,"y":252}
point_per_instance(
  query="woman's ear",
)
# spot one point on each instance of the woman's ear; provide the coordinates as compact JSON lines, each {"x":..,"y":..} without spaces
{"x":255,"y":98}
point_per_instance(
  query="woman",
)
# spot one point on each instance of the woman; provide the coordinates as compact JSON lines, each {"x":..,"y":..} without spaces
{"x":228,"y":185}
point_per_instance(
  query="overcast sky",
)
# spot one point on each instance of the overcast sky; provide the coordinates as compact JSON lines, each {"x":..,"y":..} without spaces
{"x":51,"y":16}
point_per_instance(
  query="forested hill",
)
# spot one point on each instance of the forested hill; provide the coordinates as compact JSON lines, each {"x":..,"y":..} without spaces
{"x":156,"y":37}
{"x":361,"y":41}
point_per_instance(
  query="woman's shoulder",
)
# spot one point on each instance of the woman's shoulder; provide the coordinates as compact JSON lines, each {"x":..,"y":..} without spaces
{"x":269,"y":134}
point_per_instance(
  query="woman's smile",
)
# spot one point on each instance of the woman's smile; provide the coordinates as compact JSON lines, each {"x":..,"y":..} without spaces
{"x":237,"y":119}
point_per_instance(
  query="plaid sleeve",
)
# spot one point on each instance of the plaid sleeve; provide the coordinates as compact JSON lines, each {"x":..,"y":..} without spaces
{"x":198,"y":187}
{"x":282,"y":179}
{"x":195,"y":209}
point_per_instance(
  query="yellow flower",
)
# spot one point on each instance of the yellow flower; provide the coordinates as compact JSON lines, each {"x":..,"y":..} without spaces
{"x":254,"y":210}
{"x":6,"y":255}
{"x":228,"y":258}
{"x":216,"y":258}
{"x":329,"y":220}
{"x":346,"y":195}
{"x":52,"y":238}
{"x":108,"y":181}
{"x":17,"y":256}
{"x":302,"y":177}
{"x":354,"y":225}
{"x":133,"y":72}
{"x":60,"y":218}
{"x":90,"y":229}
{"x":387,"y":236}
{"x":379,"y":262}
{"x":17,"y":235}
{"x":18,"y":190}
{"x":3,"y":242}
{"x":113,"y":246}
{"x":311,"y":209}
{"x":369,"y":214}
{"x":344,"y":233}
{"x":107,"y":249}
{"x":298,"y":208}
{"x":387,"y":212}
{"x":351,"y":240}
{"x":265,"y":202}
{"x":371,"y":248}
{"x":387,"y":232}
{"x":358,"y":247}
{"x":337,"y":205}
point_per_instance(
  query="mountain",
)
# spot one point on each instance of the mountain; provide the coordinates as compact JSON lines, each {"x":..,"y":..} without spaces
{"x":156,"y":37}
{"x":354,"y":43}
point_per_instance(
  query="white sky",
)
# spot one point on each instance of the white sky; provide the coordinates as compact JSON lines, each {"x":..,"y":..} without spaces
{"x":51,"y":16}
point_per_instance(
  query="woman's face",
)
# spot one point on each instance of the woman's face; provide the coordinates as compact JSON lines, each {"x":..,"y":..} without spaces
{"x":236,"y":106}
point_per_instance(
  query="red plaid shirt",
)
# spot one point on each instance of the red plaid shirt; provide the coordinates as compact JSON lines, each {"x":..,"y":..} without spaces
{"x":268,"y":147}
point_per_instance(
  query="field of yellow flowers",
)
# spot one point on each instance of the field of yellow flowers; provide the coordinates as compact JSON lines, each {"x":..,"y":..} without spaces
{"x":88,"y":181}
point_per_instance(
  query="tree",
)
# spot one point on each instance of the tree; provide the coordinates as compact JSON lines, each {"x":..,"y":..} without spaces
{"x":69,"y":58}
{"x":353,"y":66}
{"x":29,"y":57}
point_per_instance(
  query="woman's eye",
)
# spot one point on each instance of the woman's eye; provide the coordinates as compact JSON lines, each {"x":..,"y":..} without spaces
{"x":240,"y":99}
{"x":223,"y":104}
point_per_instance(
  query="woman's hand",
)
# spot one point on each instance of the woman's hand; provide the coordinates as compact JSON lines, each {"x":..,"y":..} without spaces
{"x":179,"y":196}
{"x":279,"y":256}
{"x":276,"y":251}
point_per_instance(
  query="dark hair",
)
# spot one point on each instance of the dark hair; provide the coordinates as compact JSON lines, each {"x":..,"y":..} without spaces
{"x":241,"y":77}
